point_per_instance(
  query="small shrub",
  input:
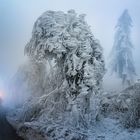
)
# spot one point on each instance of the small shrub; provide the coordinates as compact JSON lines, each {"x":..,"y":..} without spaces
{"x":132,"y":117}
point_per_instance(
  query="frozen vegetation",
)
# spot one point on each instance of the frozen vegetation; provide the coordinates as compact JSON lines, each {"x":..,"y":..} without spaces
{"x":60,"y":87}
{"x":121,"y":55}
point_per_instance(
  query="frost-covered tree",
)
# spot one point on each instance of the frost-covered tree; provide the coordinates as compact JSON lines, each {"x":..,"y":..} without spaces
{"x":121,"y":56}
{"x":65,"y":43}
{"x":67,"y":40}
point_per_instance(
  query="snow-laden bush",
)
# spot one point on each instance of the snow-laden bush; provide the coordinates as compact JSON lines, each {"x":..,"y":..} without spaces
{"x":124,"y":106}
{"x":64,"y":42}
{"x":132,"y":117}
{"x":114,"y":104}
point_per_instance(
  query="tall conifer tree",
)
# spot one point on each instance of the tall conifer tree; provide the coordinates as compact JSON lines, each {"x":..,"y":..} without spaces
{"x":121,"y":56}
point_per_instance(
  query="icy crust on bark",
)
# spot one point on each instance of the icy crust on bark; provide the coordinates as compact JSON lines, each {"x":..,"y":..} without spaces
{"x":70,"y":104}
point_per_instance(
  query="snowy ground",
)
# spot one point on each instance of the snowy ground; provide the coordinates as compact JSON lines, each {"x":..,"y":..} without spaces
{"x":106,"y":129}
{"x":110,"y":129}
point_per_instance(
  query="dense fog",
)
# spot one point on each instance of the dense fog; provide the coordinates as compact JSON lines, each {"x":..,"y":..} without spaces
{"x":18,"y":17}
{"x":69,"y":69}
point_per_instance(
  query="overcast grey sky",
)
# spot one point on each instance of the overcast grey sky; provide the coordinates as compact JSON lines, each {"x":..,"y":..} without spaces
{"x":18,"y":16}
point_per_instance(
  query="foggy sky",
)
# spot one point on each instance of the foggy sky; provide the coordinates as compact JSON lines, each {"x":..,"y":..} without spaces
{"x":18,"y":16}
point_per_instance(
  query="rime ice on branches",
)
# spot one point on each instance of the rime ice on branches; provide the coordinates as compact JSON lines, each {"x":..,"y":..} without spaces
{"x":66,"y":43}
{"x":121,"y":56}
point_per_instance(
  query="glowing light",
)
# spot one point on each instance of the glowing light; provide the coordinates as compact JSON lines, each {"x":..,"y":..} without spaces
{"x":1,"y":94}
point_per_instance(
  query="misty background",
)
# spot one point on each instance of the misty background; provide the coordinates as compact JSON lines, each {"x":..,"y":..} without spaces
{"x":17,"y":19}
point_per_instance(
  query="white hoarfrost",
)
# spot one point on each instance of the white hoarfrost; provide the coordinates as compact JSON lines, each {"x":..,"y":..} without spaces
{"x":59,"y":89}
{"x":121,"y":55}
{"x":69,"y":106}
